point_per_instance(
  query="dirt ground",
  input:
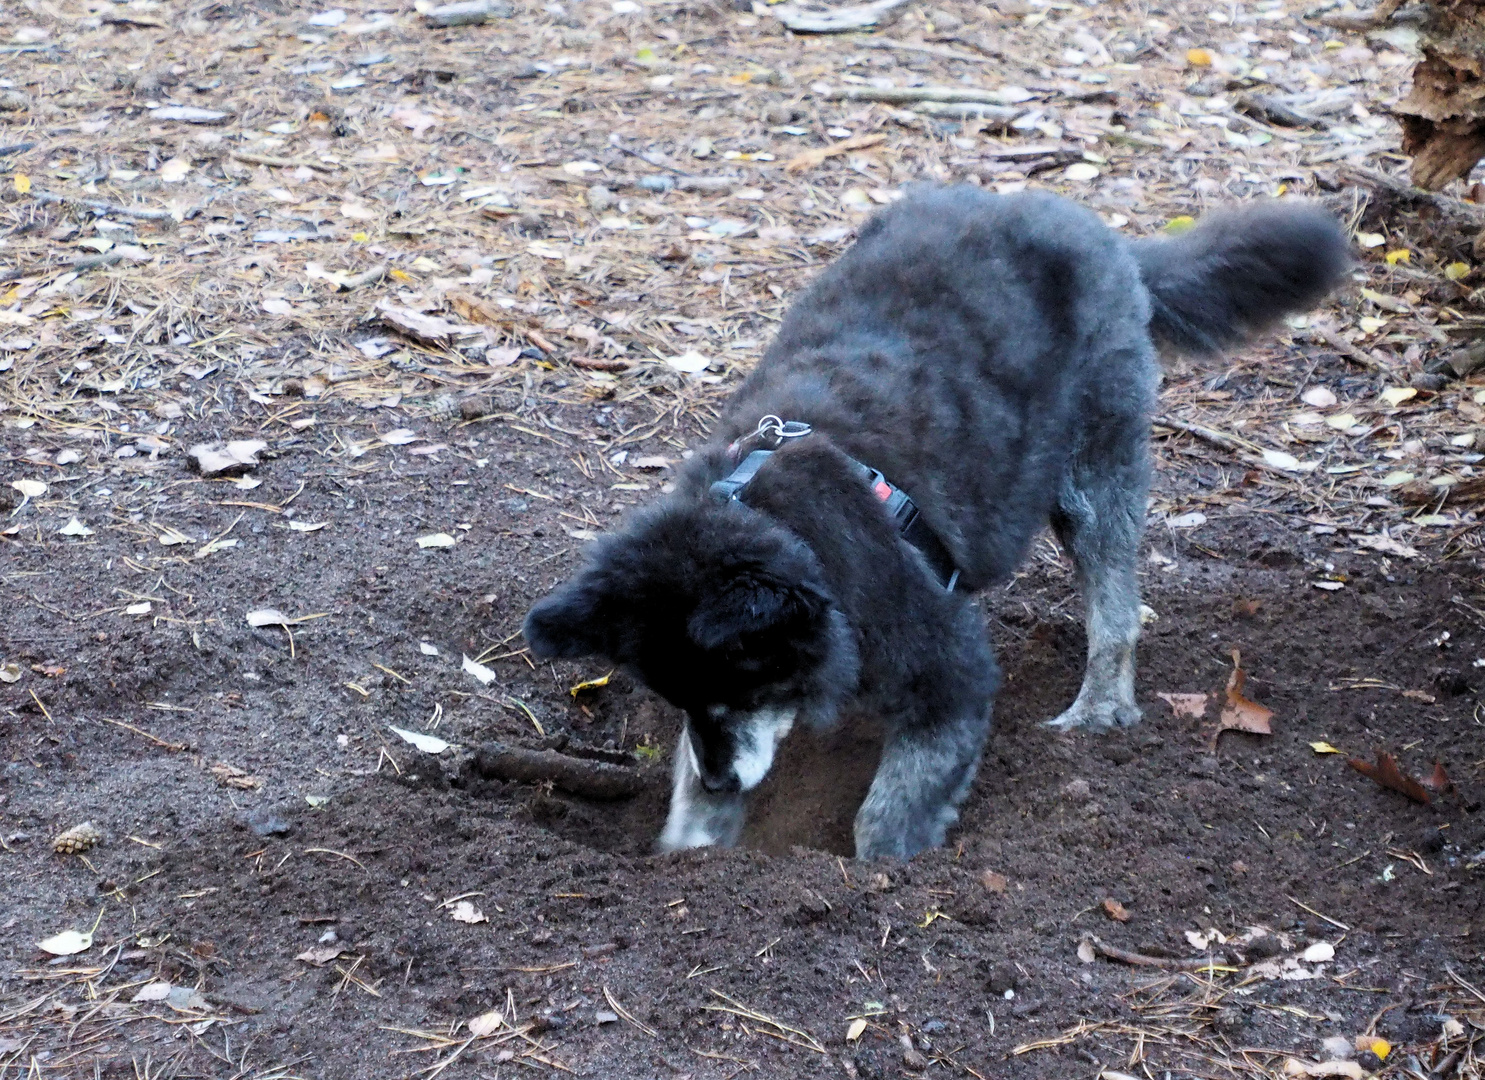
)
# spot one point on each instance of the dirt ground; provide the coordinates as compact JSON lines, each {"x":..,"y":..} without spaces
{"x":281,"y":885}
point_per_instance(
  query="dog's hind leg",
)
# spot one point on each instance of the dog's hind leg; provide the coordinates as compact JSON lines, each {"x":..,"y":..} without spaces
{"x":924,"y":775}
{"x":1099,"y":517}
{"x":698,"y":817}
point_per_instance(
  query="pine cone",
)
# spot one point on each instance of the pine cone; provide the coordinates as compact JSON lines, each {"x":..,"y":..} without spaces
{"x":77,"y":839}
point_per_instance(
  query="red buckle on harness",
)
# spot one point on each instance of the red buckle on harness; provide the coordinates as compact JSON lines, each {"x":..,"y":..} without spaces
{"x":882,"y":490}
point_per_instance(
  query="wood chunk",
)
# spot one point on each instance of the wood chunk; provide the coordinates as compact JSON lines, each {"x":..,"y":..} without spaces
{"x":468,"y":13}
{"x":575,"y":775}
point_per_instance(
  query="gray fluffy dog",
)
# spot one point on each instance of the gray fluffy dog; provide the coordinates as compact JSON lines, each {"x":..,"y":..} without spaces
{"x":973,"y":368}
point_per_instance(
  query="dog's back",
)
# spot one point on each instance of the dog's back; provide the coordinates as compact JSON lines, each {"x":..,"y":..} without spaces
{"x":969,"y":345}
{"x":960,"y":346}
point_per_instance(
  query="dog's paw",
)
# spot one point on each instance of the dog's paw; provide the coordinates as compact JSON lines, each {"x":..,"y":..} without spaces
{"x":1096,"y":717}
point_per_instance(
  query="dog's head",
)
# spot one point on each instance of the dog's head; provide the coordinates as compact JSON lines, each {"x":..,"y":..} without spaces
{"x":722,"y":613}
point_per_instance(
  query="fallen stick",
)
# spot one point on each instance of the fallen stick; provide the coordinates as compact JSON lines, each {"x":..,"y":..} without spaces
{"x":904,"y":95}
{"x":1001,"y":115}
{"x":1349,"y":351}
{"x":272,"y":162}
{"x":577,"y":776}
{"x":598,"y":363}
{"x":104,"y":207}
{"x":1205,"y":434}
{"x":1124,"y":956}
{"x":1246,"y":453}
{"x":1406,"y":192}
{"x":931,"y":50}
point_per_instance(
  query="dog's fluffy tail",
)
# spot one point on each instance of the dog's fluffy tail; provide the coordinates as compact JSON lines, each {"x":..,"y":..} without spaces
{"x":1239,"y":272}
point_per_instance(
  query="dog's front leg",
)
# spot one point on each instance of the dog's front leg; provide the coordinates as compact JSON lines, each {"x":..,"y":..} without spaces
{"x":924,"y":775}
{"x":698,"y":817}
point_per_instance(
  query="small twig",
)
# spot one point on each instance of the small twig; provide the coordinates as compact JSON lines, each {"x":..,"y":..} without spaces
{"x":1349,"y":351}
{"x":140,"y":731}
{"x":282,"y":162}
{"x":1141,"y":960}
{"x":623,"y":1012}
{"x":338,"y":854}
{"x":1460,"y":980}
{"x":1333,"y":922}
{"x":104,"y":207}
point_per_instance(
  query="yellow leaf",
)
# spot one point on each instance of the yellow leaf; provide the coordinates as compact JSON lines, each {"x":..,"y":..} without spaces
{"x":1370,"y":324}
{"x":401,"y":275}
{"x":22,"y":183}
{"x":856,"y":1030}
{"x":361,"y":238}
{"x":1380,"y":1047}
{"x":741,"y":78}
{"x":1394,"y":396}
{"x":1323,"y":748}
{"x":1199,"y":57}
{"x":1177,"y":225}
{"x":1280,"y":193}
{"x":1455,"y":271}
{"x":1399,"y":255}
{"x":590,"y":684}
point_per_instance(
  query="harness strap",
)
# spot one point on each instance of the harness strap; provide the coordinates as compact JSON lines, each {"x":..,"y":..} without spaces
{"x":904,"y":512}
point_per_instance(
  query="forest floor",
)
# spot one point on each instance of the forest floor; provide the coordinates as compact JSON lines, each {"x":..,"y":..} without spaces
{"x":459,"y":298}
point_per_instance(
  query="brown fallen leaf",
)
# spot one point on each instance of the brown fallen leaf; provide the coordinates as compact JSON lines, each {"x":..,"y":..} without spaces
{"x":996,"y":883}
{"x":1386,"y":773}
{"x":1241,"y":713}
{"x":472,"y":309}
{"x":811,"y":158}
{"x":1437,"y":781}
{"x":1186,"y":705}
{"x":1115,"y":910}
{"x":234,"y":777}
{"x":321,"y":955}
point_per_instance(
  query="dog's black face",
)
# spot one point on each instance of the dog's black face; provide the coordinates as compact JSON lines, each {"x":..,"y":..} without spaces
{"x":717,"y":611}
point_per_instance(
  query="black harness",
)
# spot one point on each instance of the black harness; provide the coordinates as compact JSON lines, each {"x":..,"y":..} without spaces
{"x":904,"y":512}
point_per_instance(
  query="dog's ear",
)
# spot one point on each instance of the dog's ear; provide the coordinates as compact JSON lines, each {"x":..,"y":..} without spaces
{"x":571,"y":622}
{"x":750,"y":604}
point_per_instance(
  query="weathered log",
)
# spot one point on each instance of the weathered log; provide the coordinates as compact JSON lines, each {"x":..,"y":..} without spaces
{"x":1443,"y":116}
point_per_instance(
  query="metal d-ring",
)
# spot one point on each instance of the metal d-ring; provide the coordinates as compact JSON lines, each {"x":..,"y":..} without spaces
{"x":772,"y":427}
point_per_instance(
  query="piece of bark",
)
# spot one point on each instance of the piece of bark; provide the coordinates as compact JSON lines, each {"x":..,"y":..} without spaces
{"x":598,"y":363}
{"x":1404,"y":192}
{"x":1443,"y":116}
{"x":577,"y":776}
{"x":468,"y":13}
{"x":837,"y":20}
{"x":1273,"y":110}
{"x":1001,"y":115}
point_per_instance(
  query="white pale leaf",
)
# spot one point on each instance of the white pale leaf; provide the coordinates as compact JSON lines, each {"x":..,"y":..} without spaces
{"x":479,"y":671}
{"x":67,"y":943}
{"x":429,"y":744}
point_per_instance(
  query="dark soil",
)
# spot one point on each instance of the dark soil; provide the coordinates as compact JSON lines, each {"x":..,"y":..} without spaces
{"x":354,"y":831}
